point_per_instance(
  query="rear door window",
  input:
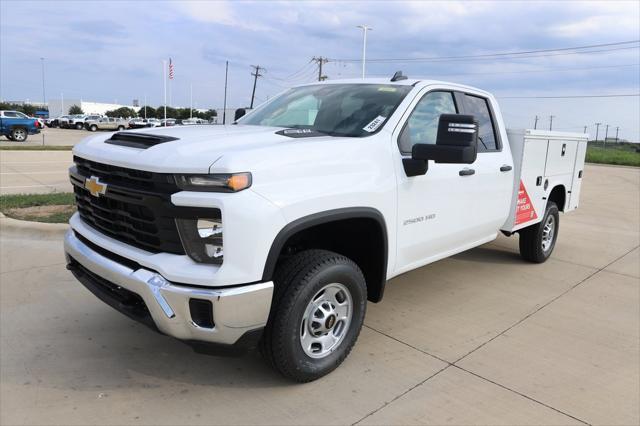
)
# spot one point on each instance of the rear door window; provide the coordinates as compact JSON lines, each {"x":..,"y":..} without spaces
{"x":479,"y":108}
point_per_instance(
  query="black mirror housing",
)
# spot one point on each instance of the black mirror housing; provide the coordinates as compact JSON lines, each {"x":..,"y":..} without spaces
{"x":456,"y":142}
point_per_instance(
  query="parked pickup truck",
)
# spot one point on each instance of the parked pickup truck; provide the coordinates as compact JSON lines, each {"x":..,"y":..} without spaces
{"x":17,"y":126}
{"x":105,"y":123}
{"x":276,"y":231}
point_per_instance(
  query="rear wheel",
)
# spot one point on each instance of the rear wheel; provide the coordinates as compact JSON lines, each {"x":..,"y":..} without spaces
{"x":538,"y":241}
{"x":317,"y":312}
{"x":93,"y":127}
{"x":19,"y":134}
{"x":120,"y":128}
{"x":79,"y":126}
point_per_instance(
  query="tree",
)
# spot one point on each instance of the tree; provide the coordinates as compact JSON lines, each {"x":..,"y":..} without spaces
{"x":123,"y":112}
{"x":151,"y":112}
{"x":171,"y":112}
{"x":75,"y":109}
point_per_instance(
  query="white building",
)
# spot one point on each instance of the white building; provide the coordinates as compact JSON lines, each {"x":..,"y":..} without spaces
{"x":58,"y":107}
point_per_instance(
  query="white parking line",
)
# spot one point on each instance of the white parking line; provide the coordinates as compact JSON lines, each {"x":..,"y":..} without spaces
{"x":35,"y":173}
{"x":33,"y":162}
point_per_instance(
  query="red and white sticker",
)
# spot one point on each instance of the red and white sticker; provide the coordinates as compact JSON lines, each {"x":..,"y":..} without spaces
{"x":524,"y":207}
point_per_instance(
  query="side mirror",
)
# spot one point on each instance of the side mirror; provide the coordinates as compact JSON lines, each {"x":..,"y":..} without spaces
{"x":240,"y":112}
{"x":456,"y":142}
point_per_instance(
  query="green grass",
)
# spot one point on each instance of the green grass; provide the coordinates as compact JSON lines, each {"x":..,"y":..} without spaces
{"x":622,"y":154}
{"x":11,"y":206}
{"x":36,"y":148}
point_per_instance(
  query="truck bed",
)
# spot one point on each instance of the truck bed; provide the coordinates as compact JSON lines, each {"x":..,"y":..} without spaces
{"x":543,"y":160}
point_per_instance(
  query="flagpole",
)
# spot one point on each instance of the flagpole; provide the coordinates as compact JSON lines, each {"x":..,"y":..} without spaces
{"x":164,"y":80}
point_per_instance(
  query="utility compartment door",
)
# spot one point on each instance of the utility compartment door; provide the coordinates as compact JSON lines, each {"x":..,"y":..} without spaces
{"x":530,"y":202}
{"x":561,"y":156}
{"x":576,"y":184}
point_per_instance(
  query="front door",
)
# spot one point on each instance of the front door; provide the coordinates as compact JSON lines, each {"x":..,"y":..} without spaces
{"x":436,"y":211}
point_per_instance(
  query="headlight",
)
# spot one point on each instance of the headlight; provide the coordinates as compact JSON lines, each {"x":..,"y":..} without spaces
{"x":220,"y":182}
{"x":202,"y":239}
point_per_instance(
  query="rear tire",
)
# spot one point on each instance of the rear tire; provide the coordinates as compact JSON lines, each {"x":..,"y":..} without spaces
{"x":120,"y":128}
{"x":79,"y":126}
{"x":538,"y":241}
{"x":319,"y":301}
{"x":19,"y":134}
{"x":93,"y":127}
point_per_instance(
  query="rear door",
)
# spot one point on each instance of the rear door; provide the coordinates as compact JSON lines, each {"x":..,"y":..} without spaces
{"x":492,"y":181}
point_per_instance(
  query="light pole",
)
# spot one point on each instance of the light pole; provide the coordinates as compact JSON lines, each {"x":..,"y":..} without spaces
{"x":365,"y":28}
{"x":44,"y":98}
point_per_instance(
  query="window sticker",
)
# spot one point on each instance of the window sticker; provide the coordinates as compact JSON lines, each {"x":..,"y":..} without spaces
{"x":375,"y":123}
{"x":387,"y":89}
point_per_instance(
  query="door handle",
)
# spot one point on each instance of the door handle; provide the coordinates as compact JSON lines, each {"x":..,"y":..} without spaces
{"x":466,"y":172}
{"x":505,"y":168}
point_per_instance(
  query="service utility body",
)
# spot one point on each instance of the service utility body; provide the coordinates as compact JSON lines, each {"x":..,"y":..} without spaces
{"x":275,"y":231}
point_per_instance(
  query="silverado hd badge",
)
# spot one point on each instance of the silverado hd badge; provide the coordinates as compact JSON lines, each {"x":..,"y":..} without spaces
{"x":94,"y":186}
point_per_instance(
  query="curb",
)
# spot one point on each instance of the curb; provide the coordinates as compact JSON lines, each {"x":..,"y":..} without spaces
{"x":25,"y":228}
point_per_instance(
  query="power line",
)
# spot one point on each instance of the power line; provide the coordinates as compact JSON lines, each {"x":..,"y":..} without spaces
{"x":500,"y":54}
{"x":536,"y":71}
{"x":508,"y":55}
{"x":571,"y":96}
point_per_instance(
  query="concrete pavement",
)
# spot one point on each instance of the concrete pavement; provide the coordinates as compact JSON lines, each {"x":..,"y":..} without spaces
{"x":479,"y":338}
{"x":34,"y":171}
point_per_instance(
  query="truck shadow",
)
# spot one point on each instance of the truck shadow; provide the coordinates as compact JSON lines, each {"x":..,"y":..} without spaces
{"x":489,"y":254}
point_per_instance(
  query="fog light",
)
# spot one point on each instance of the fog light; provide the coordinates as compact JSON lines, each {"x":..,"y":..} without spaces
{"x":202,"y":239}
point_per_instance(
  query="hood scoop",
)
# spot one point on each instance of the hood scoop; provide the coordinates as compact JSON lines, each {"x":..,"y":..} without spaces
{"x":138,"y":140}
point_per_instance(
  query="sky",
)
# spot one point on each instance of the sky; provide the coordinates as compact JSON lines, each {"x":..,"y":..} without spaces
{"x":112,"y":51}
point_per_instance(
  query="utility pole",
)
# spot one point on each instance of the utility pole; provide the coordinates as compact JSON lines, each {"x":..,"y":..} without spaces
{"x":44,"y":97}
{"x":224,"y":109}
{"x":320,"y":61}
{"x":617,"y":129}
{"x":190,"y":101}
{"x":365,"y":28}
{"x":535,"y":123}
{"x":606,"y":133}
{"x":551,"y":122}
{"x":597,"y":129}
{"x":255,"y":81}
{"x":585,"y":130}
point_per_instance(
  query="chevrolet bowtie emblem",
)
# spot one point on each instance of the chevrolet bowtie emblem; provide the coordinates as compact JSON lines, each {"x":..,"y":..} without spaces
{"x":94,"y":186}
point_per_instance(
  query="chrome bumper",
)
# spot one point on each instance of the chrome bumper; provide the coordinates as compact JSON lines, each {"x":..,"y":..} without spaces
{"x":236,"y":310}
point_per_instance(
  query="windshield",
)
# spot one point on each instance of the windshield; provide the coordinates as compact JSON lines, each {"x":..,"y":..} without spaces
{"x":334,"y":109}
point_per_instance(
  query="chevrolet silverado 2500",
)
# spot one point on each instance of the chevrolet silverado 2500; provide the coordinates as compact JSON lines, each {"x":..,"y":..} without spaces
{"x":277,"y":230}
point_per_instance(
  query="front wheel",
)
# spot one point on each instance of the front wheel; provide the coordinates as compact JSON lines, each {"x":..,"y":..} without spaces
{"x":19,"y":134}
{"x":93,"y":128}
{"x":538,"y":241}
{"x":317,"y":312}
{"x":79,"y":126}
{"x":120,"y":128}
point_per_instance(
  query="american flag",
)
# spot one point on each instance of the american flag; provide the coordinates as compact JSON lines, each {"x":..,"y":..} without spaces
{"x":170,"y":69}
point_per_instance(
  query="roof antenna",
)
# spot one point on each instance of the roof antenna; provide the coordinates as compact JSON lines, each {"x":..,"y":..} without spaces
{"x":398,"y":76}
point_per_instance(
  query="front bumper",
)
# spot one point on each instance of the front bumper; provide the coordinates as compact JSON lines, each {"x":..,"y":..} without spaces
{"x":146,"y":296}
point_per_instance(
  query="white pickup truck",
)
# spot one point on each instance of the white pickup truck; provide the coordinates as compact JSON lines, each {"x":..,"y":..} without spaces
{"x":276,"y":231}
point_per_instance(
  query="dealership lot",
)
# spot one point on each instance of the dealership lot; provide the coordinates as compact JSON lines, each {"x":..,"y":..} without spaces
{"x":479,"y":338}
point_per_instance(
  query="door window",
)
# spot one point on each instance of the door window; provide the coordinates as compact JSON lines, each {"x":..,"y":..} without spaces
{"x":479,"y":108}
{"x":422,"y":125}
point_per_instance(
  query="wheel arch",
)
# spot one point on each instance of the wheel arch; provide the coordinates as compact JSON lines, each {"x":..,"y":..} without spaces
{"x":369,"y":250}
{"x":559,"y":196}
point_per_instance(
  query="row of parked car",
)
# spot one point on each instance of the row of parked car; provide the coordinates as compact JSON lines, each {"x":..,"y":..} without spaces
{"x":100,"y":122}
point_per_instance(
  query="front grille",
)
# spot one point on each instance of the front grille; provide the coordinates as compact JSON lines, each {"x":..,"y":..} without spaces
{"x":136,"y":208}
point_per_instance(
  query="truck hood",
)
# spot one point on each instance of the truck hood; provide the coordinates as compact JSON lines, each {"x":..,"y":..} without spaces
{"x":194,"y":151}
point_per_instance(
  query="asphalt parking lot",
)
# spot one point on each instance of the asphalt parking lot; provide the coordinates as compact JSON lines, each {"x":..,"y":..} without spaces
{"x":479,"y":338}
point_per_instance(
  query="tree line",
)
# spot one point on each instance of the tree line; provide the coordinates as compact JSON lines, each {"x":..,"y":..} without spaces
{"x":151,"y":112}
{"x":28,"y":109}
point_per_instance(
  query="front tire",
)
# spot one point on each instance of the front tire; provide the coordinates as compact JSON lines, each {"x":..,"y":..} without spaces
{"x":93,"y":128}
{"x":538,"y":241}
{"x":120,"y":128}
{"x":79,"y":126}
{"x":317,"y":312}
